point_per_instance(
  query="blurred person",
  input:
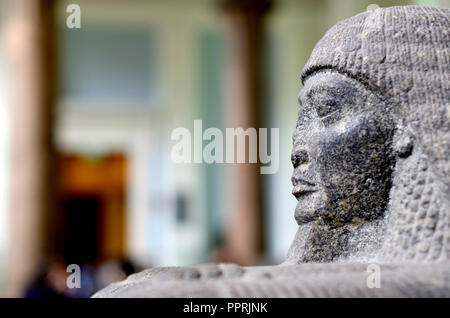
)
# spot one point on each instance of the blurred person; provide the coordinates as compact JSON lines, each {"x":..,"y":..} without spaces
{"x":50,"y":282}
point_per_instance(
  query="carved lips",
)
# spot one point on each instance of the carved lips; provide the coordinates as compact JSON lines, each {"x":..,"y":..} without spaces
{"x":303,"y":187}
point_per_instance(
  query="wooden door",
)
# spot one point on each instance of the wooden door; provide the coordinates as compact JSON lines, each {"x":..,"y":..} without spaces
{"x":92,"y":207}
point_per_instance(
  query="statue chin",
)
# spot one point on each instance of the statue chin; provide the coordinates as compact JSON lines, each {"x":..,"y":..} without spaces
{"x":371,"y":172}
{"x":307,"y":209}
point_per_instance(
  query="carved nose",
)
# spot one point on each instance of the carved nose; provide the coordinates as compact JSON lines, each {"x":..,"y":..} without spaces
{"x":299,"y":157}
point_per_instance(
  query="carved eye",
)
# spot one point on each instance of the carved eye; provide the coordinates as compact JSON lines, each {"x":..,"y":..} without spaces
{"x":329,"y":107}
{"x":298,"y":158}
{"x":326,"y":107}
{"x":327,"y":101}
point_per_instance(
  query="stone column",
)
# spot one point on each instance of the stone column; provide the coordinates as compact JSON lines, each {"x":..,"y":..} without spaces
{"x":244,"y":240}
{"x":29,"y":46}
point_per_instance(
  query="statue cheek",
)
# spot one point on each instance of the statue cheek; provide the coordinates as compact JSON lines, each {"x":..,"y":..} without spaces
{"x":338,"y":149}
{"x":349,"y":149}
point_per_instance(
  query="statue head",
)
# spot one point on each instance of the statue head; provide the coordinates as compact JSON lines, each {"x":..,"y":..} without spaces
{"x":373,"y":110}
{"x":342,"y":151}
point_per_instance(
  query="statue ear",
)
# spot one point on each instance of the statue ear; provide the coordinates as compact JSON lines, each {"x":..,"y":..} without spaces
{"x":403,"y":143}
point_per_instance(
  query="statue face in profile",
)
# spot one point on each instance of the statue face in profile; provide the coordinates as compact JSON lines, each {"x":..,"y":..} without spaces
{"x":371,"y":144}
{"x":341,"y":151}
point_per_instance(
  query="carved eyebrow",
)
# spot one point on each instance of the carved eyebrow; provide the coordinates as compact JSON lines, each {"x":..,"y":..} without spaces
{"x":357,"y":77}
{"x":317,"y":94}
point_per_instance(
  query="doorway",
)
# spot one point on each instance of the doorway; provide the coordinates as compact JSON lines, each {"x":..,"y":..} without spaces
{"x":91,"y":208}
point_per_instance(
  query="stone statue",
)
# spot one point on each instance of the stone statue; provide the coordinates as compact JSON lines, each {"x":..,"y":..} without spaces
{"x":371,"y":173}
